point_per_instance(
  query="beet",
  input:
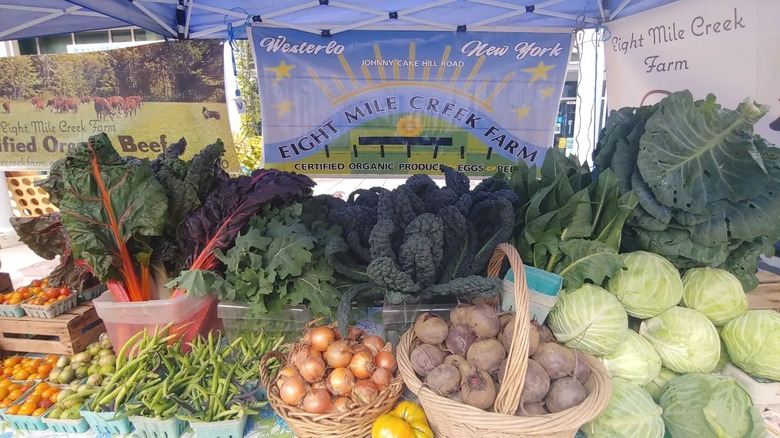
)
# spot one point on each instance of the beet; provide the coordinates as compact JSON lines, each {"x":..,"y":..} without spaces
{"x":537,"y":383}
{"x":565,"y":393}
{"x":458,"y":314}
{"x":556,"y":359}
{"x":459,"y":339}
{"x":426,"y":357}
{"x":478,"y":390}
{"x":486,"y":354}
{"x":582,"y":369}
{"x":430,"y":329}
{"x":506,"y":336}
{"x":533,"y":340}
{"x":444,"y":379}
{"x":483,"y":320}
{"x":505,"y":318}
{"x":501,"y":371}
{"x":460,"y":363}
{"x":531,"y":409}
{"x":545,"y":334}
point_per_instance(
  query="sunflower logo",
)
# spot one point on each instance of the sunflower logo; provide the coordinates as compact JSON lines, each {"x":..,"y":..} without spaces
{"x":409,"y":126}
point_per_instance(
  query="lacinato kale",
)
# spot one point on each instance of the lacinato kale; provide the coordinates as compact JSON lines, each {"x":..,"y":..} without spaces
{"x":420,"y":241}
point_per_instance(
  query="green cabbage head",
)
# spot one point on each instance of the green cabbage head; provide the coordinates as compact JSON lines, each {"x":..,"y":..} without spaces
{"x":630,"y":413}
{"x":685,"y":339}
{"x":753,"y":342}
{"x":657,"y":386}
{"x":589,"y":319}
{"x":647,"y":286}
{"x":635,"y":360}
{"x":715,"y":293}
{"x":709,"y":405}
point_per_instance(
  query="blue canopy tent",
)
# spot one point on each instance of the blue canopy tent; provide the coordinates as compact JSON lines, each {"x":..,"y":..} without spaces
{"x":198,"y":19}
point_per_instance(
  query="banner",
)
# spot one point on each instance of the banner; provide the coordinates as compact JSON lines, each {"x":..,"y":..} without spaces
{"x":725,"y":47}
{"x":144,"y":98}
{"x":405,"y":102}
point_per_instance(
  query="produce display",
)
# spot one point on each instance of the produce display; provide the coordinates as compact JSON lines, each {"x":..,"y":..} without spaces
{"x":326,"y":372}
{"x":36,"y":403}
{"x":655,"y":249}
{"x":11,"y":391}
{"x":28,"y":368}
{"x":94,"y":364}
{"x":464,"y":359}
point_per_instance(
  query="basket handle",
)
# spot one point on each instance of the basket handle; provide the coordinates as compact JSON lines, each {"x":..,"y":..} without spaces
{"x":265,"y":375}
{"x":508,"y":398}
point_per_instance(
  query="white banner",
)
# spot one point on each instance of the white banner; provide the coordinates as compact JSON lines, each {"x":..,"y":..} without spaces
{"x":725,"y":47}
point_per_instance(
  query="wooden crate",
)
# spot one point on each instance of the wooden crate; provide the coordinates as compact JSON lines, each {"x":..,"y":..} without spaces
{"x":68,"y":333}
{"x":767,"y":294}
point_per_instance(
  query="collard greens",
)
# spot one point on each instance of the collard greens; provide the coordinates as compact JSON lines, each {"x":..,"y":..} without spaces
{"x":706,"y":185}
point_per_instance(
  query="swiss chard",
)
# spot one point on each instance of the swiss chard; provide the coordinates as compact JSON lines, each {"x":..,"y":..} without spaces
{"x":46,"y":236}
{"x":111,"y":208}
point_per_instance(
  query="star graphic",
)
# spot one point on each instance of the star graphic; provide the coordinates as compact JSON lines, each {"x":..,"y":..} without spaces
{"x":539,"y":72}
{"x":281,"y":71}
{"x":283,"y":107}
{"x":521,"y":112}
{"x":546,"y":92}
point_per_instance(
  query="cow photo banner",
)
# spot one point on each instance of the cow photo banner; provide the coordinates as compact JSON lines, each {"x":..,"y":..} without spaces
{"x":405,"y":102}
{"x":144,"y":98}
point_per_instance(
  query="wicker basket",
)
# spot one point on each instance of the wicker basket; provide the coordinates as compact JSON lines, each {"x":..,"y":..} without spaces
{"x":355,"y":423}
{"x":452,"y":419}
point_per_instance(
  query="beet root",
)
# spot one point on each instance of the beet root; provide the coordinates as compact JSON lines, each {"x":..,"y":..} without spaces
{"x":533,"y":340}
{"x":486,"y":354}
{"x":565,"y":393}
{"x":556,"y":359}
{"x":478,"y":390}
{"x":531,"y":409}
{"x":501,"y":371}
{"x":545,"y":334}
{"x":537,"y":383}
{"x":582,"y":369}
{"x":425,"y":358}
{"x":444,"y":379}
{"x":459,"y":339}
{"x":483,"y":320}
{"x":430,"y":328}
{"x":461,"y":364}
{"x":458,"y":314}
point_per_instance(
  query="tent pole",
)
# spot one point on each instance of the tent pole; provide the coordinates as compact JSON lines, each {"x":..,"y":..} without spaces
{"x":189,"y":16}
{"x":39,"y":20}
{"x":154,"y":17}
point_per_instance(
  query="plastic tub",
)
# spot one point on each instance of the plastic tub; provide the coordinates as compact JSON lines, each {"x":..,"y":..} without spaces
{"x":191,"y":315}
{"x":238,"y":319}
{"x":104,"y":422}
{"x":545,"y":287}
{"x":220,"y":429}
{"x":154,"y":428}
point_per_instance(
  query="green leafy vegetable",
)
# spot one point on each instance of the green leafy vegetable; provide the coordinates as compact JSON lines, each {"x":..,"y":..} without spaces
{"x":685,"y":339}
{"x":705,"y":184}
{"x":567,"y":221}
{"x":647,"y":286}
{"x":630,"y":412}
{"x":279,"y":260}
{"x":753,"y":343}
{"x":111,"y":207}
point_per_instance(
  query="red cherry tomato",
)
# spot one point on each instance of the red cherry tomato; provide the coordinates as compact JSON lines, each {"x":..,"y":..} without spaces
{"x":53,"y":293}
{"x":65,"y":291}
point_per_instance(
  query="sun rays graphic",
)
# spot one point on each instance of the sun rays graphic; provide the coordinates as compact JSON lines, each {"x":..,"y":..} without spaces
{"x":380,"y":76}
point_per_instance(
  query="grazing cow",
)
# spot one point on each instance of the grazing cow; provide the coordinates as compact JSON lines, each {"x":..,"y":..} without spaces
{"x":37,"y":104}
{"x":7,"y":107}
{"x":116,"y":102}
{"x":71,"y":103}
{"x":103,"y":109}
{"x":55,"y":104}
{"x":210,"y":114}
{"x":85,"y":99}
{"x":129,"y":108}
{"x":138,"y":100}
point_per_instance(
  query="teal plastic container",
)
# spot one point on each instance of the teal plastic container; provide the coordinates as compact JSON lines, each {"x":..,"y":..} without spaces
{"x":103,"y":422}
{"x":220,"y":429}
{"x":154,"y":428}
{"x":545,"y":287}
{"x":67,"y":426}
{"x":26,"y":422}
